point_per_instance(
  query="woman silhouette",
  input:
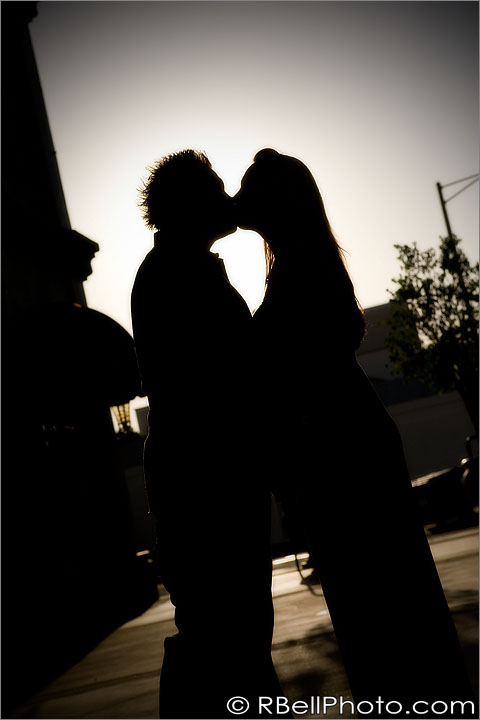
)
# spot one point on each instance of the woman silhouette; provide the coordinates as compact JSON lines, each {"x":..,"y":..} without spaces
{"x":335,"y":456}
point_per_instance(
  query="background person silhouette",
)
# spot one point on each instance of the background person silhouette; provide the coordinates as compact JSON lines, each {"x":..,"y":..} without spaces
{"x":191,"y":331}
{"x":336,"y":456}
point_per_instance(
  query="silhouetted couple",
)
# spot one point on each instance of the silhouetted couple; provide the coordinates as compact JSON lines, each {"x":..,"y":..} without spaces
{"x":241,"y":407}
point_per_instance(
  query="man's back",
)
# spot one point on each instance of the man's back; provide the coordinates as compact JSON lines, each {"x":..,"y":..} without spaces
{"x":191,"y":331}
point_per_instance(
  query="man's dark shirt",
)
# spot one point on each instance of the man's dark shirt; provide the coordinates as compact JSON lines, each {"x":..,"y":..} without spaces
{"x":191,"y":331}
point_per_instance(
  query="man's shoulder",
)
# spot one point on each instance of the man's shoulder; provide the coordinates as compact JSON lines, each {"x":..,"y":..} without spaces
{"x":196,"y":280}
{"x":153,"y":266}
{"x":151,"y":282}
{"x":149,"y":261}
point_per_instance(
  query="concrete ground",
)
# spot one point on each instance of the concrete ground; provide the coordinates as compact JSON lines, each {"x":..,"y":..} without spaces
{"x":120,"y":677}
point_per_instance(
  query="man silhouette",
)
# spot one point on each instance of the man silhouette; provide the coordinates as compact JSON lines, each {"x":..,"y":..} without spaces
{"x":191,"y":331}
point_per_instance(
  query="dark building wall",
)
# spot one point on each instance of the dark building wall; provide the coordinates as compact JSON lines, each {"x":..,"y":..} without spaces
{"x":70,"y":574}
{"x":43,"y":259}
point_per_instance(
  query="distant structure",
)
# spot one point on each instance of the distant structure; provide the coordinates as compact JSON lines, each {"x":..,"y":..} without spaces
{"x":70,"y":569}
{"x":433,"y":427}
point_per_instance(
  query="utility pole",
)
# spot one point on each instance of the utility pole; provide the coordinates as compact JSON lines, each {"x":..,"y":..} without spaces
{"x":444,"y":209}
{"x":443,"y":203}
{"x":469,"y":389}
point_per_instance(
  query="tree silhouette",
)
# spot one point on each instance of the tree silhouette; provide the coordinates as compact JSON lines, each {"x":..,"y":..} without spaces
{"x":433,"y":336}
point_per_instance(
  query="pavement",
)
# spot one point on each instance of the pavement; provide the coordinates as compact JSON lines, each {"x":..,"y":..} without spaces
{"x":120,"y":677}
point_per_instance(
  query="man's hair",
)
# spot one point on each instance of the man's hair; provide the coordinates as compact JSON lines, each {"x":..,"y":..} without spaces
{"x":169,"y":182}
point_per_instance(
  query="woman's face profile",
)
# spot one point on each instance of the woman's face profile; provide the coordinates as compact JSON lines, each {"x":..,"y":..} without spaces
{"x":255,"y":201}
{"x":275,"y":192}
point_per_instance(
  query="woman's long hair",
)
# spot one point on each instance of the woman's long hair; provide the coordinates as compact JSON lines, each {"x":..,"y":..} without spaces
{"x":269,"y":260}
{"x":297,"y":192}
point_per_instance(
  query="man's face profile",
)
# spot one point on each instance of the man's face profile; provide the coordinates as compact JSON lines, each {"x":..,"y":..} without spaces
{"x":213,"y":208}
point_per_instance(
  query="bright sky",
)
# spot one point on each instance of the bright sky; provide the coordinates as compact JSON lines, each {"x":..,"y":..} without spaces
{"x":379,"y":99}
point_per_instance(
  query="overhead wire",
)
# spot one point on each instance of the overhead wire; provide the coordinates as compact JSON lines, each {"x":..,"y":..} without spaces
{"x":462,"y":189}
{"x":454,"y":182}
